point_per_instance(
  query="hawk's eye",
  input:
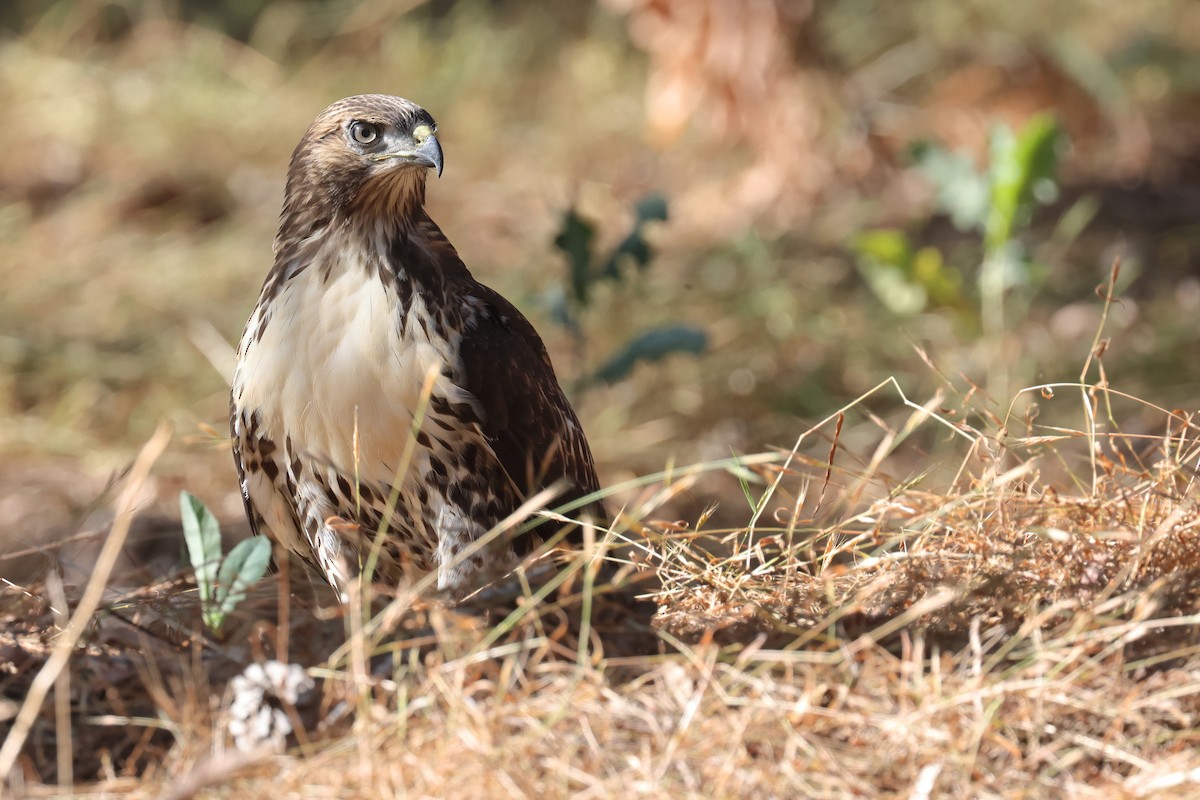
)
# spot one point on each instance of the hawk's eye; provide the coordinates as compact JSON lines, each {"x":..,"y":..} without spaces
{"x":364,"y":132}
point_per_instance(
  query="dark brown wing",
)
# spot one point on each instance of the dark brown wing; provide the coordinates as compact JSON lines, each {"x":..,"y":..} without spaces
{"x":528,"y":421}
{"x":526,"y":417}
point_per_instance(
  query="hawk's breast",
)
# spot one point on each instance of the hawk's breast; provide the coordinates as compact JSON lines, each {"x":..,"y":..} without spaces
{"x":340,"y":365}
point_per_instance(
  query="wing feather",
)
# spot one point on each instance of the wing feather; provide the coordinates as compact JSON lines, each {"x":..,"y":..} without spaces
{"x":527,"y":419}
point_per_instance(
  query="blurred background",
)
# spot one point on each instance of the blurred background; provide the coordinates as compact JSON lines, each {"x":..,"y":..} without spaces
{"x":727,"y":219}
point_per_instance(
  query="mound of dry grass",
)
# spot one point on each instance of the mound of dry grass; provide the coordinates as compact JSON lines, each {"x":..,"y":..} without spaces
{"x":857,"y":636}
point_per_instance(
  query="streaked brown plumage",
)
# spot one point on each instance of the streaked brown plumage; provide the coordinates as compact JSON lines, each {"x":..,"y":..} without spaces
{"x":366,"y":303}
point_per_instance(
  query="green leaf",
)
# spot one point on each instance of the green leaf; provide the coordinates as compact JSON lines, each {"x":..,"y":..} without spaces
{"x":243,"y":568}
{"x":1021,"y":173}
{"x":651,"y":208}
{"x":202,"y":535}
{"x":652,"y":345}
{"x":962,"y":193}
{"x":574,"y":239}
{"x":885,"y":245}
{"x":884,"y":261}
{"x":634,"y":246}
{"x":942,"y":282}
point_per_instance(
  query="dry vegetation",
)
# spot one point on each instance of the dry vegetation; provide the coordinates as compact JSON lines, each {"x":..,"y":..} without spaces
{"x":935,"y":591}
{"x":996,"y":638}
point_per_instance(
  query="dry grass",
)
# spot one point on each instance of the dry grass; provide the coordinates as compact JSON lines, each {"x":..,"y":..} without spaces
{"x":996,"y":637}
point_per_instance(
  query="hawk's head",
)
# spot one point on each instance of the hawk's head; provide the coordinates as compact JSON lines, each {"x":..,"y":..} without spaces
{"x":367,"y":153}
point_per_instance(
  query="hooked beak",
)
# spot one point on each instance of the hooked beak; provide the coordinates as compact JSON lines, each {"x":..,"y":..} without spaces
{"x":425,"y":150}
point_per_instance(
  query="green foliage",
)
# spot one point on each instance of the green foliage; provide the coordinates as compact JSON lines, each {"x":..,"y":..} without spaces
{"x":906,"y":280}
{"x":575,"y":239}
{"x":221,"y":589}
{"x":997,"y":204}
{"x":202,"y":535}
{"x":246,"y":563}
{"x":961,"y":191}
{"x":1021,"y":175}
{"x":576,"y":236}
{"x":653,"y":345}
{"x":634,"y":246}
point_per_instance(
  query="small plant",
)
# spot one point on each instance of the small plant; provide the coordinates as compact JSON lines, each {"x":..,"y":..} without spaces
{"x":222,"y":582}
{"x":997,"y":204}
{"x":585,"y":270}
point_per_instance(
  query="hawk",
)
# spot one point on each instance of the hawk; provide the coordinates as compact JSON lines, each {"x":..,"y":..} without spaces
{"x":379,"y":386}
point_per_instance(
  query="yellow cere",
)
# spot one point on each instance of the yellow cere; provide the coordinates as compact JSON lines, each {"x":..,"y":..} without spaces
{"x":422,"y":132}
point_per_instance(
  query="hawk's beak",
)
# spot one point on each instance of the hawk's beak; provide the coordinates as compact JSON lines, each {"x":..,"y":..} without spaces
{"x":429,"y":152}
{"x":426,"y":152}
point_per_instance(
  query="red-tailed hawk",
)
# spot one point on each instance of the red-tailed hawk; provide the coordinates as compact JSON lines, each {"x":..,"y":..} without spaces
{"x":366,"y":300}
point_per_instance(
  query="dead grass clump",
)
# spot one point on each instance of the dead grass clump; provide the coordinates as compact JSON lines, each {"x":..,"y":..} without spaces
{"x":998,"y":638}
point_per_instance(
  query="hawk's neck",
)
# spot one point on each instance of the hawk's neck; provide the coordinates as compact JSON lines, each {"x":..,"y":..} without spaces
{"x":407,"y":251}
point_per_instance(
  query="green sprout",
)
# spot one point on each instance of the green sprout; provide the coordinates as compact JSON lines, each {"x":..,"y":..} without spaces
{"x":222,"y":582}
